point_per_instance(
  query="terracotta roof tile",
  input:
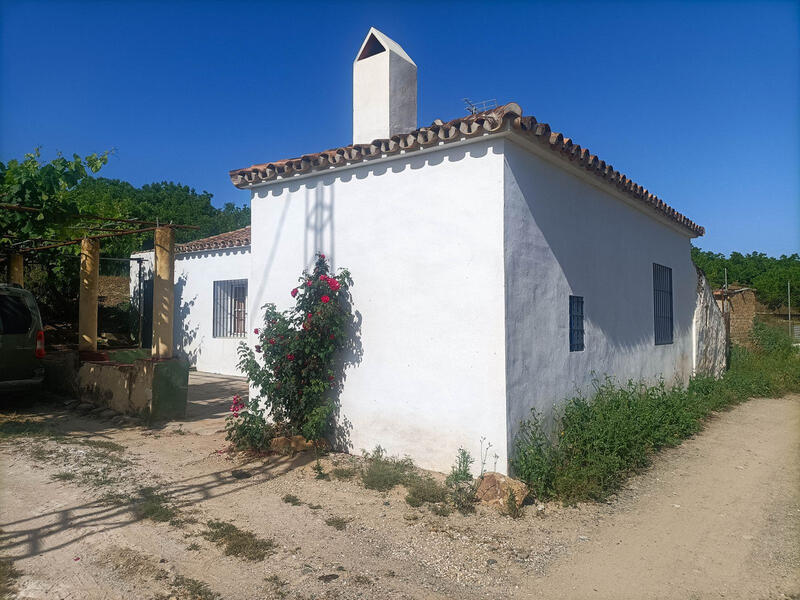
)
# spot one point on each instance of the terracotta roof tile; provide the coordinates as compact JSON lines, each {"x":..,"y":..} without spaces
{"x":229,"y":239}
{"x":503,"y":118}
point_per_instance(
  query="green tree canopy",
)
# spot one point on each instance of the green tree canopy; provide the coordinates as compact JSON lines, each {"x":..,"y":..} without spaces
{"x":768,"y":275}
{"x":63,"y":190}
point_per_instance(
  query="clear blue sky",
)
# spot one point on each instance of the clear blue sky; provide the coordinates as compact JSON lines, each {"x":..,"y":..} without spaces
{"x":698,"y":102}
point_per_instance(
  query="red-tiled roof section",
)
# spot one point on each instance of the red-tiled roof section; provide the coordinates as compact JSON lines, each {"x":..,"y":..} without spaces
{"x":229,"y":239}
{"x":503,"y":118}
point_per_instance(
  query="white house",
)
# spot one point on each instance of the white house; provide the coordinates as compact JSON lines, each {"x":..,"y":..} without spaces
{"x":498,"y":267}
{"x":211,"y":312}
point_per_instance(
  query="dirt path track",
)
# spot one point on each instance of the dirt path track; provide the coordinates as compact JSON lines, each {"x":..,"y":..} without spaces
{"x":717,"y":517}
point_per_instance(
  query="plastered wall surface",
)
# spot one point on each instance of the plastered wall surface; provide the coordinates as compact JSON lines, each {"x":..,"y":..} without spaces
{"x":565,"y":236}
{"x":422,"y":237}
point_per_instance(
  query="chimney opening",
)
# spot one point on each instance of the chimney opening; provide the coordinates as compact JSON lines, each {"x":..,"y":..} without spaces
{"x":371,"y":48}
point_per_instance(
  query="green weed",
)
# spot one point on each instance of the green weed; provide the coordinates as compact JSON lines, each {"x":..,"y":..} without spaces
{"x":424,"y":488}
{"x":383,"y":472}
{"x":338,"y":523}
{"x":154,"y":506}
{"x":194,"y":589}
{"x":292,"y":499}
{"x":103,"y":444}
{"x":27,"y":428}
{"x":598,"y":442}
{"x":8,"y":578}
{"x":237,"y":542}
{"x":344,"y":472}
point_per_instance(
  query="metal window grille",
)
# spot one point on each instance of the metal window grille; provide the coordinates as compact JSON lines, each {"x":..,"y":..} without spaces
{"x":662,"y":304}
{"x":230,"y":308}
{"x":576,"y":323}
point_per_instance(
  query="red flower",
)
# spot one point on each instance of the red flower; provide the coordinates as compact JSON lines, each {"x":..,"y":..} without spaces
{"x":258,"y":348}
{"x":290,"y":356}
{"x":255,"y":331}
{"x":330,"y":377}
{"x":309,"y":283}
{"x":323,"y":277}
{"x":272,"y":341}
{"x":325,"y":299}
{"x":333,"y":284}
{"x":332,"y":336}
{"x":294,"y":292}
{"x":310,"y":315}
{"x":321,"y":255}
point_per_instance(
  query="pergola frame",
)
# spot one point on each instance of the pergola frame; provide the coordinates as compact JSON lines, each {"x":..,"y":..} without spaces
{"x":164,"y":269}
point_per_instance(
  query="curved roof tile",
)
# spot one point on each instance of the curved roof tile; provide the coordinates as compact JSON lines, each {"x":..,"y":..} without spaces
{"x":229,"y":239}
{"x":502,"y":118}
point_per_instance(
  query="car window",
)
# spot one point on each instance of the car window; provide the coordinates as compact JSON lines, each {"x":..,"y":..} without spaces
{"x":15,"y":316}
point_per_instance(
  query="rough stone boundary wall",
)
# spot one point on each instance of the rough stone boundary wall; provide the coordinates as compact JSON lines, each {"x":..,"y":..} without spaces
{"x":709,"y":327}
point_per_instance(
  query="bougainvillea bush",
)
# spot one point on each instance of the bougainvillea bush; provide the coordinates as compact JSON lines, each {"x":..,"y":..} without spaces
{"x":295,"y":366}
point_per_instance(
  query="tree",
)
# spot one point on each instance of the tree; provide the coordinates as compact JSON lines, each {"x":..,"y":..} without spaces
{"x":45,"y":187}
{"x":768,"y":275}
{"x":63,"y":190}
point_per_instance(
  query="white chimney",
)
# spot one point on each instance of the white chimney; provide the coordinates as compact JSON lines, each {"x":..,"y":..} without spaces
{"x":384,"y":90}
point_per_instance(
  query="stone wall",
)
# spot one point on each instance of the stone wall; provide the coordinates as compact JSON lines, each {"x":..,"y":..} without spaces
{"x":743,"y":309}
{"x":710,"y":356}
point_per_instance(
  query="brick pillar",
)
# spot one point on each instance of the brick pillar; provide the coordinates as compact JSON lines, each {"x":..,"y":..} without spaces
{"x":163,"y":292}
{"x":87,"y":307}
{"x":15,"y":270}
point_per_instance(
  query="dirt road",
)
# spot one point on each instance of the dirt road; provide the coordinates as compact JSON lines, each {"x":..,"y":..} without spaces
{"x":718,"y":517}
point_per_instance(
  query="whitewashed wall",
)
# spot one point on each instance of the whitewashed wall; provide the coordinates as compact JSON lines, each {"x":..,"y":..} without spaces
{"x":422,"y":235}
{"x":195,"y":274}
{"x":565,"y":236}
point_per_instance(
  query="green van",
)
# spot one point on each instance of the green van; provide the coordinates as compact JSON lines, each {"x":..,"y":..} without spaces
{"x":21,"y":334}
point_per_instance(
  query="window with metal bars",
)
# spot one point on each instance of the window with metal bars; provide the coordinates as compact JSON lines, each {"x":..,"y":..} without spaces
{"x":576,"y":323}
{"x":662,"y":304}
{"x":230,"y":308}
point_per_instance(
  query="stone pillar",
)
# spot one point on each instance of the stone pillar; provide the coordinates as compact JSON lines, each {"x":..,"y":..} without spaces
{"x":87,"y":307}
{"x":163,"y":292}
{"x":15,"y":272}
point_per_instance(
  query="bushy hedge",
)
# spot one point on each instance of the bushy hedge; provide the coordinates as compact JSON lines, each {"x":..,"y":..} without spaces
{"x":599,"y":441}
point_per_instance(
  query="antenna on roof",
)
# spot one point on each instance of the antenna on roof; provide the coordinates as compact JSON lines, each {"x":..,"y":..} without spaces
{"x":474,"y":108}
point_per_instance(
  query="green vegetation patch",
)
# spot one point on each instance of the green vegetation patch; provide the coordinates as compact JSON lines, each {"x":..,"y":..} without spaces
{"x":383,"y":472}
{"x":103,"y":444}
{"x":598,"y":442}
{"x":237,"y":542}
{"x":154,"y":506}
{"x":8,"y":578}
{"x":338,"y":523}
{"x":424,"y":488}
{"x":344,"y":473}
{"x":26,"y":428}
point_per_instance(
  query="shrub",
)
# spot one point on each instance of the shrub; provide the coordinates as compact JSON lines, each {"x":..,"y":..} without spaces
{"x":246,"y":428}
{"x":344,"y":472}
{"x":600,"y":441}
{"x":512,"y":509}
{"x":461,"y":484}
{"x":382,"y":472}
{"x":424,"y":488}
{"x":296,"y":373}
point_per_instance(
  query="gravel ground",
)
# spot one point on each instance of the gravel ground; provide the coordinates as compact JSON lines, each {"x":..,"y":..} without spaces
{"x":716,"y":517}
